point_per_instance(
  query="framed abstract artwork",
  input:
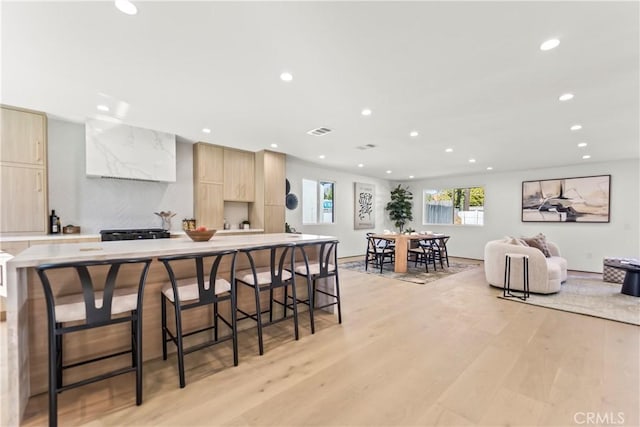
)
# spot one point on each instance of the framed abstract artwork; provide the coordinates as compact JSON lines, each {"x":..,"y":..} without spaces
{"x":580,"y":199}
{"x":364,"y":209}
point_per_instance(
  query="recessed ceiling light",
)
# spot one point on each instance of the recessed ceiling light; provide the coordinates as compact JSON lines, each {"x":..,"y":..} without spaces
{"x":366,"y":112}
{"x":413,"y":134}
{"x":125,"y":6}
{"x":321,"y":156}
{"x":410,"y":176}
{"x":576,"y":127}
{"x":489,"y":168}
{"x":102,"y":107}
{"x":286,"y":77}
{"x":388,"y":171}
{"x":472,"y":160}
{"x":449,"y":150}
{"x":582,"y":144}
{"x":586,"y":156}
{"x":360,"y":165}
{"x":550,"y":44}
{"x":206,"y":130}
{"x":565,"y":97}
{"x":274,"y":145}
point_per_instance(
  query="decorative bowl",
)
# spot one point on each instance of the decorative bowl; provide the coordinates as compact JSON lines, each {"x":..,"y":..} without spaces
{"x":200,"y":236}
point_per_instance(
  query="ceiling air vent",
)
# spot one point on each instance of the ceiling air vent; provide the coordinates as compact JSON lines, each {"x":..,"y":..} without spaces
{"x":319,"y":131}
{"x":365,"y":147}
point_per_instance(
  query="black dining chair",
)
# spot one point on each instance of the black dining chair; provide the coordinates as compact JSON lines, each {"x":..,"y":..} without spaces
{"x":423,"y":253}
{"x":91,"y":299}
{"x":379,"y":252}
{"x":207,"y":287}
{"x":439,"y":249}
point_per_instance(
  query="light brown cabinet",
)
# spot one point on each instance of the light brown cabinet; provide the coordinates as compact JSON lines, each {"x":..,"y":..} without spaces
{"x":239,"y":175}
{"x":209,"y":205}
{"x":268,"y":210}
{"x":208,"y":174}
{"x":23,"y":200}
{"x":23,"y":137}
{"x":208,"y":163}
{"x":23,"y":171}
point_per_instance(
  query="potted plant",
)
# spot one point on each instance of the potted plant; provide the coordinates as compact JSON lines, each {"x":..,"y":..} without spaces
{"x":400,"y":206}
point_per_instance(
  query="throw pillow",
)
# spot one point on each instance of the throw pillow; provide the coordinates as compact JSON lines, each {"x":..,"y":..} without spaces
{"x":538,"y":241}
{"x":515,"y":241}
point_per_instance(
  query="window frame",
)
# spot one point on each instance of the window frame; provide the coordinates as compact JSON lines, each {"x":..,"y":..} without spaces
{"x":317,"y":206}
{"x":453,"y":193}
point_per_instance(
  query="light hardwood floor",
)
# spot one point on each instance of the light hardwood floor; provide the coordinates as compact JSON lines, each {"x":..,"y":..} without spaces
{"x":445,"y":353}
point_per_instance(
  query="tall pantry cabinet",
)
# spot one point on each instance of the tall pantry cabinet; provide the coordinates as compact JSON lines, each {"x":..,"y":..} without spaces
{"x":269,"y":206}
{"x":23,"y":171}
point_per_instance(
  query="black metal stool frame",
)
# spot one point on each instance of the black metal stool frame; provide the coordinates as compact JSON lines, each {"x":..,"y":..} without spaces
{"x":506,"y":290}
{"x":94,"y":318}
{"x":328,"y":252}
{"x":205,"y":297}
{"x":277,"y":268}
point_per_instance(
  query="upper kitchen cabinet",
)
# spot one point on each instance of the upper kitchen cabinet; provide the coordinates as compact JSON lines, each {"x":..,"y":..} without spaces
{"x":208,"y":163}
{"x":23,"y":137}
{"x":23,"y":171}
{"x":239,"y":175}
{"x":274,"y":178}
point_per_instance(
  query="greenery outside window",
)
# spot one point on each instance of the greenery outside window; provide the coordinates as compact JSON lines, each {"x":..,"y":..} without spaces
{"x":461,"y":206}
{"x":318,"y":203}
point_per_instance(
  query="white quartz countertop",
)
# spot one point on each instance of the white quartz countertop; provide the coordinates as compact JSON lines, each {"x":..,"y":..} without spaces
{"x":53,"y":253}
{"x":40,"y":237}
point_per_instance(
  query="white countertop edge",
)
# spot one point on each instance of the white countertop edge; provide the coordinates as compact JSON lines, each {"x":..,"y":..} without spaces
{"x":54,"y":253}
{"x":41,"y":237}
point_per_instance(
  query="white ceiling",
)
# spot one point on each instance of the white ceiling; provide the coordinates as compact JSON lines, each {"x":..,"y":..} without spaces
{"x":465,"y":75}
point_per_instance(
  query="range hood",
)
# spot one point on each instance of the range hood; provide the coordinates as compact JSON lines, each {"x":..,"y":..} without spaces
{"x":114,"y":150}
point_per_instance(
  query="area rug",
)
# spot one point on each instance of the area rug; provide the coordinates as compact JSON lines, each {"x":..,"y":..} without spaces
{"x":592,"y":297}
{"x":416,"y":274}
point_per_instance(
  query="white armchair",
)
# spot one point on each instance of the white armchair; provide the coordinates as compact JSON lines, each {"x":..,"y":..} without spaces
{"x":545,"y":274}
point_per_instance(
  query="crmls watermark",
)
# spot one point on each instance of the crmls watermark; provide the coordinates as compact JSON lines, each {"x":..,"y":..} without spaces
{"x":599,"y":418}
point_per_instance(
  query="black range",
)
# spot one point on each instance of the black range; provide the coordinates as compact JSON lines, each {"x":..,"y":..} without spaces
{"x":134,"y":234}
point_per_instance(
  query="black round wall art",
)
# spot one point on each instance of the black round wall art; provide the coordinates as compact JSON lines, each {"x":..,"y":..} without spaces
{"x":292,"y":201}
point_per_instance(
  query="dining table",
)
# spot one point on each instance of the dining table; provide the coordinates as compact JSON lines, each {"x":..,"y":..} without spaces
{"x":402,"y":246}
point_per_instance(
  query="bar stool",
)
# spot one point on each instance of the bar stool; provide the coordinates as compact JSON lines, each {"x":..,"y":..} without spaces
{"x":325,"y":266}
{"x":88,"y":309}
{"x":198,"y":291}
{"x":506,"y":292}
{"x":270,"y":278}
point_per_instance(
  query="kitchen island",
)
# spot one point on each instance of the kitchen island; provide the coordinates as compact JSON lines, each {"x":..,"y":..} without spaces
{"x":26,"y":350}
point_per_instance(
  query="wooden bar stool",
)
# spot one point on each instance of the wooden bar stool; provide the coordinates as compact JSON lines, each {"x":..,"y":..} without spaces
{"x":324,"y":266}
{"x":92,"y":305}
{"x":275,"y":276}
{"x":201,"y":290}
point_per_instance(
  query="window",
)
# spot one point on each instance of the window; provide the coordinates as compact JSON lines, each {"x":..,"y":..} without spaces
{"x":318,"y":205}
{"x":463,"y":206}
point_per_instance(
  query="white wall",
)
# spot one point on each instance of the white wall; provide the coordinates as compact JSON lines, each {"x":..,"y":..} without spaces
{"x":583,"y":244}
{"x":352,"y":242}
{"x":99,"y":203}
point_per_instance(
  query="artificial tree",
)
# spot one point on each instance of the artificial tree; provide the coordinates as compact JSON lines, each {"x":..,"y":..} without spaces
{"x":400,"y":206}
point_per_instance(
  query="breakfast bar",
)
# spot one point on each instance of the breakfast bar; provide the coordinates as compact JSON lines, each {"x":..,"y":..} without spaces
{"x":26,"y":350}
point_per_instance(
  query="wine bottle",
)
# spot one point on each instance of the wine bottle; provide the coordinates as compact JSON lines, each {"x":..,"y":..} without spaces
{"x":54,"y":223}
